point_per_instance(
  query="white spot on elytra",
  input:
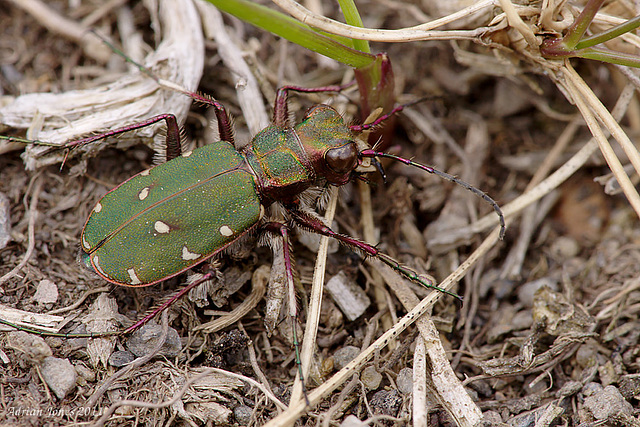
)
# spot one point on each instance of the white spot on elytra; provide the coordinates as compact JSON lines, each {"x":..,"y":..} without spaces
{"x":145,"y":172}
{"x":85,"y":244}
{"x":133,"y":276}
{"x":97,"y":208}
{"x":143,"y":193}
{"x":187,"y":154}
{"x":226,"y":231}
{"x":95,"y":261}
{"x":161,"y":227}
{"x":187,"y":255}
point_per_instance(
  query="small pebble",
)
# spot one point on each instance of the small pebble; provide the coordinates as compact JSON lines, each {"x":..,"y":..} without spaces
{"x":352,"y":421}
{"x":121,"y":358}
{"x":87,"y":374}
{"x":608,"y":403}
{"x":46,"y":293}
{"x":527,"y":291}
{"x":386,"y":402}
{"x":351,"y":298}
{"x":564,"y":247}
{"x":60,"y":376}
{"x":33,"y":346}
{"x":145,"y":339}
{"x":243,"y":414}
{"x":346,"y":354}
{"x":5,"y":221}
{"x":371,"y":378}
{"x":404,"y":381}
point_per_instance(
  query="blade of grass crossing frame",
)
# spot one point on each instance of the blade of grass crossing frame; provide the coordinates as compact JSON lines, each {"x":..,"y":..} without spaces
{"x":334,"y":47}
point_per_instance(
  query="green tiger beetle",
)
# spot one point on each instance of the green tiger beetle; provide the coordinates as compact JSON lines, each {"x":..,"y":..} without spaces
{"x":170,"y":218}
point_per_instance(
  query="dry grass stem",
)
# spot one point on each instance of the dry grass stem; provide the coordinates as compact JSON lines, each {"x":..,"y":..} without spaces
{"x":308,"y":348}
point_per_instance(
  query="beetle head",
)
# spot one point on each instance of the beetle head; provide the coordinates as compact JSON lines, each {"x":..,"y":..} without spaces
{"x":328,"y":143}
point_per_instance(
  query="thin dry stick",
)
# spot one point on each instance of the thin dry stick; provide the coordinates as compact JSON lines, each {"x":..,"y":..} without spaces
{"x":558,"y":148}
{"x":259,"y":282}
{"x":605,"y":117}
{"x":587,"y":102}
{"x":39,"y":321}
{"x":420,"y":408}
{"x":517,"y":23}
{"x":313,"y":317}
{"x":404,"y":35}
{"x":513,"y":263}
{"x":31,"y":230}
{"x":136,"y":403}
{"x":368,"y":233}
{"x":80,"y":300}
{"x":101,"y":11}
{"x":289,"y":417}
{"x":448,"y":388}
{"x":327,"y":417}
{"x":256,"y":368}
{"x":555,"y":179}
{"x":130,"y":98}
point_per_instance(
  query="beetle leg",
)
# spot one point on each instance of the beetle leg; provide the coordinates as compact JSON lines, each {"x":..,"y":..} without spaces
{"x":283,"y":231}
{"x":225,"y":124}
{"x":207,"y":276}
{"x":59,"y":334}
{"x":281,"y":106}
{"x":311,"y":223}
{"x":173,"y":149}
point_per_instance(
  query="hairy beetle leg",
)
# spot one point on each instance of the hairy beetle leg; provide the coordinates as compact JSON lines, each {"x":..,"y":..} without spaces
{"x":311,"y":223}
{"x":173,"y":149}
{"x":281,"y":107}
{"x":283,"y":231}
{"x":207,"y":276}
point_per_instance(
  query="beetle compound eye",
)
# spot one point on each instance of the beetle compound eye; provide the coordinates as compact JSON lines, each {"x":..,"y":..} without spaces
{"x":342,"y":159}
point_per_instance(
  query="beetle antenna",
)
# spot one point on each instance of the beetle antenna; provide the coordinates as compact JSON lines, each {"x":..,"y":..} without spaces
{"x":373,"y":154}
{"x":126,"y":57}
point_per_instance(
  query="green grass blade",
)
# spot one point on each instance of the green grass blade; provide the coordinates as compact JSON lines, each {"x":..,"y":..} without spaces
{"x":352,"y":17}
{"x":609,"y":34}
{"x":612,"y":57}
{"x":334,"y":47}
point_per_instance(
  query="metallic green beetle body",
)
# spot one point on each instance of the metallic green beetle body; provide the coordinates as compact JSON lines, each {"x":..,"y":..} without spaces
{"x":173,"y":216}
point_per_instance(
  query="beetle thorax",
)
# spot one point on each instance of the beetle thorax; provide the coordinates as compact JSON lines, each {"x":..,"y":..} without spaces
{"x":328,"y":144}
{"x":280,"y":165}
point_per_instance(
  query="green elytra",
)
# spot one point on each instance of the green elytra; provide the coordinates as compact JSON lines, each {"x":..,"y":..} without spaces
{"x":164,"y":221}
